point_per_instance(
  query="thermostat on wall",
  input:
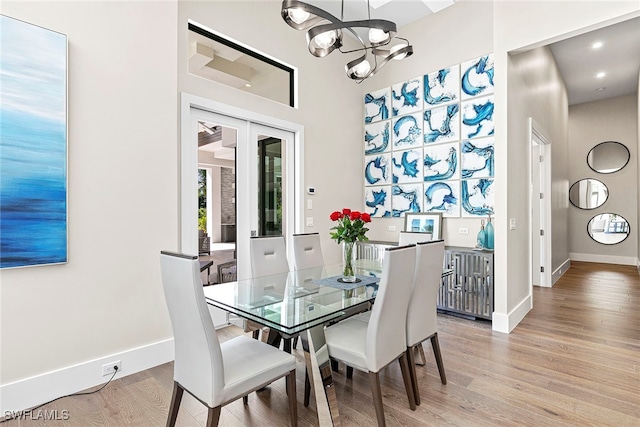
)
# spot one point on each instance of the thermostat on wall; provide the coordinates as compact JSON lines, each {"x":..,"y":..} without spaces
{"x":311,"y":190}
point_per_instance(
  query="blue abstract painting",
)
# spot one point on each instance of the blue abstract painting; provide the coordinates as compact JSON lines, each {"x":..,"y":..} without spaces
{"x":442,"y":124}
{"x":378,"y":201}
{"x":477,"y":77}
{"x":406,"y":198}
{"x":33,"y":145}
{"x":407,"y":166}
{"x":477,"y":158}
{"x":407,"y":131}
{"x":377,"y":138}
{"x":477,"y":197}
{"x":377,"y":169}
{"x":377,"y":105}
{"x":442,"y":87}
{"x":406,"y":97}
{"x":477,"y":118}
{"x":442,"y":197}
{"x":440,"y":162}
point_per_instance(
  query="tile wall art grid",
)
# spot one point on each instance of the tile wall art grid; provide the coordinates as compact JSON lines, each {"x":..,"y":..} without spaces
{"x":428,"y":143}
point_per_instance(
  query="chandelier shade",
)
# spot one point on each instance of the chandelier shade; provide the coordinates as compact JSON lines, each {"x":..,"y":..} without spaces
{"x":325,"y":34}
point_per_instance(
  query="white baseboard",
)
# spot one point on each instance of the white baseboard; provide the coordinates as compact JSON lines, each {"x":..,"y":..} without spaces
{"x":638,"y":264}
{"x":606,"y":259}
{"x":506,"y":322}
{"x":557,"y":274}
{"x":30,"y":392}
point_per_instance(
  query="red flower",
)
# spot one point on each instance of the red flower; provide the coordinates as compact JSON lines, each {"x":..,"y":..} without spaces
{"x":335,"y":216}
{"x":346,"y":211}
{"x":354,"y":215}
{"x":366,"y":217}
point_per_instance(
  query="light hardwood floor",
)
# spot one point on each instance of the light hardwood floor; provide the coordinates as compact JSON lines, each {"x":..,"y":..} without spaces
{"x":574,"y":360}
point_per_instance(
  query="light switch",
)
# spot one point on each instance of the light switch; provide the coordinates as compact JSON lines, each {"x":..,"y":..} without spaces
{"x":463,"y":230}
{"x":392,"y":228}
{"x":309,"y":204}
{"x":512,"y":223}
{"x":309,"y":221}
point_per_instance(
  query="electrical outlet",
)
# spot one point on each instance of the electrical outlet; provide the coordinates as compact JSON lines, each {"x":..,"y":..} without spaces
{"x":309,"y":221}
{"x":463,"y":230}
{"x":392,"y":228}
{"x":108,"y":368}
{"x":512,"y":223}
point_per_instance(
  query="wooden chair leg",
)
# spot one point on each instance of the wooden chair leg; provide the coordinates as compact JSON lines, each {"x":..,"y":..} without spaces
{"x":176,"y":398}
{"x":286,"y":345}
{"x":293,"y":401}
{"x":436,"y":351}
{"x":422,"y":356}
{"x":213,"y":416}
{"x":406,"y":377}
{"x":374,"y":380}
{"x":349,"y":372}
{"x":256,"y":334}
{"x":245,"y":399}
{"x":307,"y":388}
{"x":412,"y":371}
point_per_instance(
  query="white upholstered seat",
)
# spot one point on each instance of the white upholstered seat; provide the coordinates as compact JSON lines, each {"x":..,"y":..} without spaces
{"x":370,"y":346}
{"x":215,"y":374}
{"x":413,"y":237}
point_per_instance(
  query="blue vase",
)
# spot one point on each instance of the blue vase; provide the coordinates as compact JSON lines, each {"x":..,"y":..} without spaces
{"x":488,"y":235}
{"x":482,"y":236}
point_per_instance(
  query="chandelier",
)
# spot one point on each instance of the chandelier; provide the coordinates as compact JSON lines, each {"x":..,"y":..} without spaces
{"x":325,"y":34}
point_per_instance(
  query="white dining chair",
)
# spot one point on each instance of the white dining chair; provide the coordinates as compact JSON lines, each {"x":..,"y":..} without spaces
{"x":422,"y":322}
{"x":215,"y":374}
{"x":370,"y":346}
{"x":413,"y":237}
{"x":307,"y":252}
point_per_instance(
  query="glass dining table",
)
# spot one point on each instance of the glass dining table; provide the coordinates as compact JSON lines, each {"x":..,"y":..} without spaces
{"x":302,"y":302}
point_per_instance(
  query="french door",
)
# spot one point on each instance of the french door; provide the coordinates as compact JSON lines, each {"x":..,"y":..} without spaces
{"x":266,"y":166}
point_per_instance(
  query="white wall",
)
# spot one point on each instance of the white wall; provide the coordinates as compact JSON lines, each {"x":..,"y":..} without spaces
{"x":440,"y":40}
{"x":330,"y":104}
{"x":638,"y":186}
{"x":122,"y":207}
{"x":520,"y":26}
{"x":613,"y":119}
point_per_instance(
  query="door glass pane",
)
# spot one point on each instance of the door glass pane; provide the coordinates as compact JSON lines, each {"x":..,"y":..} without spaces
{"x":270,"y":186}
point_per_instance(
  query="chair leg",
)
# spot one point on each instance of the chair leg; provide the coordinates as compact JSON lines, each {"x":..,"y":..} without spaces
{"x":245,"y":399}
{"x":293,"y":400}
{"x":176,"y":398}
{"x":213,"y":416}
{"x":436,"y":351}
{"x":256,"y":334}
{"x":295,"y":341}
{"x":286,"y":345}
{"x":349,"y":372}
{"x":406,"y":377}
{"x":422,"y":356}
{"x":412,"y":371}
{"x":374,"y":380}
{"x":307,"y":388}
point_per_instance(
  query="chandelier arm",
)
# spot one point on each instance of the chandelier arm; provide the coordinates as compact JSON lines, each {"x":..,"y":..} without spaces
{"x":319,"y":14}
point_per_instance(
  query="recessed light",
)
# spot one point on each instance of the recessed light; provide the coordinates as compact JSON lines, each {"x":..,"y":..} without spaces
{"x":601,"y":74}
{"x":596,"y":45}
{"x":600,"y":89}
{"x":247,"y":85}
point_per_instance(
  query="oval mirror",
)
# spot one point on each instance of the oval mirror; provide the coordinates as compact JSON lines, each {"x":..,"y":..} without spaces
{"x":608,"y":157}
{"x":608,"y":228}
{"x":588,"y":194}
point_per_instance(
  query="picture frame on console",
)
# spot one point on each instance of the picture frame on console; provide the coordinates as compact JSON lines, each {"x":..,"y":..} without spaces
{"x":424,"y":222}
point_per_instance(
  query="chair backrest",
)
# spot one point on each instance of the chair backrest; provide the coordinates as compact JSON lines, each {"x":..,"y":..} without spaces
{"x":268,"y":256}
{"x":198,"y":364}
{"x":422,"y":312}
{"x":385,"y":340}
{"x":307,"y":252}
{"x":228,"y":271}
{"x":413,"y":237}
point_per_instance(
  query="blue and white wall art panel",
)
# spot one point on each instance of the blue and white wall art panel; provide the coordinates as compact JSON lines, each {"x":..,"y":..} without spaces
{"x":407,"y":166}
{"x":406,"y":198}
{"x":477,"y":198}
{"x":442,"y":196}
{"x":440,"y":162}
{"x":407,"y":131}
{"x":442,"y":87}
{"x":378,"y":201}
{"x":477,"y":118}
{"x":377,"y":137}
{"x":406,"y":97}
{"x":442,"y":124}
{"x":477,"y":77}
{"x":33,"y":145}
{"x":478,"y":160}
{"x":377,"y":106}
{"x":377,"y":169}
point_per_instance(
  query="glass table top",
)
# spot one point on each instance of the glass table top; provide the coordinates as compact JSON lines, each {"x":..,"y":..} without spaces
{"x":293,"y":301}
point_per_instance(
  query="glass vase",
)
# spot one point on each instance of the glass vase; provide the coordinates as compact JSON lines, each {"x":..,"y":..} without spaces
{"x":348,"y":262}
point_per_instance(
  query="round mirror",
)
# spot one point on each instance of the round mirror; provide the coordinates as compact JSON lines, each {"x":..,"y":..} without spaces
{"x":608,"y":228}
{"x":608,"y":157}
{"x":588,"y":194}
